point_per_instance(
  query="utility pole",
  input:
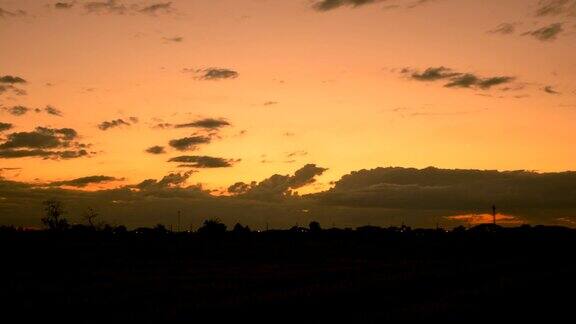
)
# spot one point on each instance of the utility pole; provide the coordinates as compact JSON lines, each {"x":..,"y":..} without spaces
{"x":494,"y":214}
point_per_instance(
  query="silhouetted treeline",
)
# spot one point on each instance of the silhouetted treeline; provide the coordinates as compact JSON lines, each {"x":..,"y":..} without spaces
{"x":98,"y":273}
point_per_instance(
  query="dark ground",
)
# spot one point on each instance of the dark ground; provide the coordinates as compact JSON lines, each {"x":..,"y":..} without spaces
{"x":330,"y":276}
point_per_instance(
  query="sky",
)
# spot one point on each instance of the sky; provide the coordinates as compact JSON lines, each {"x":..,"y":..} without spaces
{"x":214,"y":98}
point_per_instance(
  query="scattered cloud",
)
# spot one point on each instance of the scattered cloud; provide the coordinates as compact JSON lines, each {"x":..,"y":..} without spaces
{"x":153,"y":9}
{"x":189,"y":143}
{"x":206,"y":123}
{"x":116,"y":123}
{"x":546,"y":33}
{"x":504,"y":29}
{"x":455,"y":79}
{"x":156,"y":150}
{"x":326,"y":5}
{"x":11,"y":14}
{"x":64,"y":5}
{"x":212,"y":74}
{"x":556,"y":8}
{"x":550,"y":90}
{"x":43,"y":142}
{"x":196,"y":161}
{"x":176,"y":39}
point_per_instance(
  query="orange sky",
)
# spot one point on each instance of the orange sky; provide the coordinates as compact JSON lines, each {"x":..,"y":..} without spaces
{"x":334,"y":77}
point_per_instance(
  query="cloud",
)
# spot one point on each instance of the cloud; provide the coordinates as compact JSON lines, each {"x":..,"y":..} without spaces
{"x":550,"y":90}
{"x":22,"y":110}
{"x":455,"y":79}
{"x":17,"y":110}
{"x":12,"y":14}
{"x":156,"y":150}
{"x":196,"y":161}
{"x":270,"y":103}
{"x":172,"y":180}
{"x":556,"y":8}
{"x":53,"y":111}
{"x":9,"y":79}
{"x":43,"y":142}
{"x":64,"y":5}
{"x":504,"y":29}
{"x":153,"y":9}
{"x":84,"y":181}
{"x":176,"y":39}
{"x":100,"y":7}
{"x":278,"y":186}
{"x":547,"y":33}
{"x":5,"y":126}
{"x":326,"y":5}
{"x":434,"y":74}
{"x":213,"y":74}
{"x":189,"y":143}
{"x":207,"y":123}
{"x":106,"y":125}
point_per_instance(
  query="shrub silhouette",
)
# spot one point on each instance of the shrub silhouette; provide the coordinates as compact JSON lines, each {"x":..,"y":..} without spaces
{"x":238,"y":228}
{"x":314,"y":227}
{"x":212,"y":227}
{"x":54,"y":215}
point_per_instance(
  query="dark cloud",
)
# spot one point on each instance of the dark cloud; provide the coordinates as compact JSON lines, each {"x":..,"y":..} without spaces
{"x":172,"y":180}
{"x":53,"y":111}
{"x":84,"y":181}
{"x":213,"y":74}
{"x":115,"y":123}
{"x":43,"y":142}
{"x":270,"y":103}
{"x":455,"y":191}
{"x":5,"y":126}
{"x":550,"y":90}
{"x":207,"y":123}
{"x":326,"y":5}
{"x":434,"y":74}
{"x":156,"y":150}
{"x":9,"y":79}
{"x":504,"y":28}
{"x":547,"y":33}
{"x":278,"y":186}
{"x":196,"y":161}
{"x":65,"y":155}
{"x":455,"y":79}
{"x":189,"y":143}
{"x":17,"y":110}
{"x":64,"y":5}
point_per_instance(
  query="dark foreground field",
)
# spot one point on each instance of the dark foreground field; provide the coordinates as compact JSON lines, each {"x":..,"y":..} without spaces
{"x":328,"y":276}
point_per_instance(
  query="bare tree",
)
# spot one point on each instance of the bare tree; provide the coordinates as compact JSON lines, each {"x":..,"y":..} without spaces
{"x":54,"y":215}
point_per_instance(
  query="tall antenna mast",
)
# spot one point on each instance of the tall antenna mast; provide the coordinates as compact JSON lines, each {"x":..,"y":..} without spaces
{"x":178,"y":221}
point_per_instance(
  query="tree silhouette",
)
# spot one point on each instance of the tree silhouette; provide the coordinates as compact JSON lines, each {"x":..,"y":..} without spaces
{"x":212,"y":227}
{"x":314,"y":227}
{"x":90,"y":215}
{"x":54,"y":215}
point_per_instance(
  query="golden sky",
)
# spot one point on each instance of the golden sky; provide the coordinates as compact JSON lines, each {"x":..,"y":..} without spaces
{"x":341,"y":84}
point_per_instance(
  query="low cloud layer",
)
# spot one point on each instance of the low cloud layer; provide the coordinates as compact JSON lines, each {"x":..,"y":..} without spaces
{"x":84,"y":181}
